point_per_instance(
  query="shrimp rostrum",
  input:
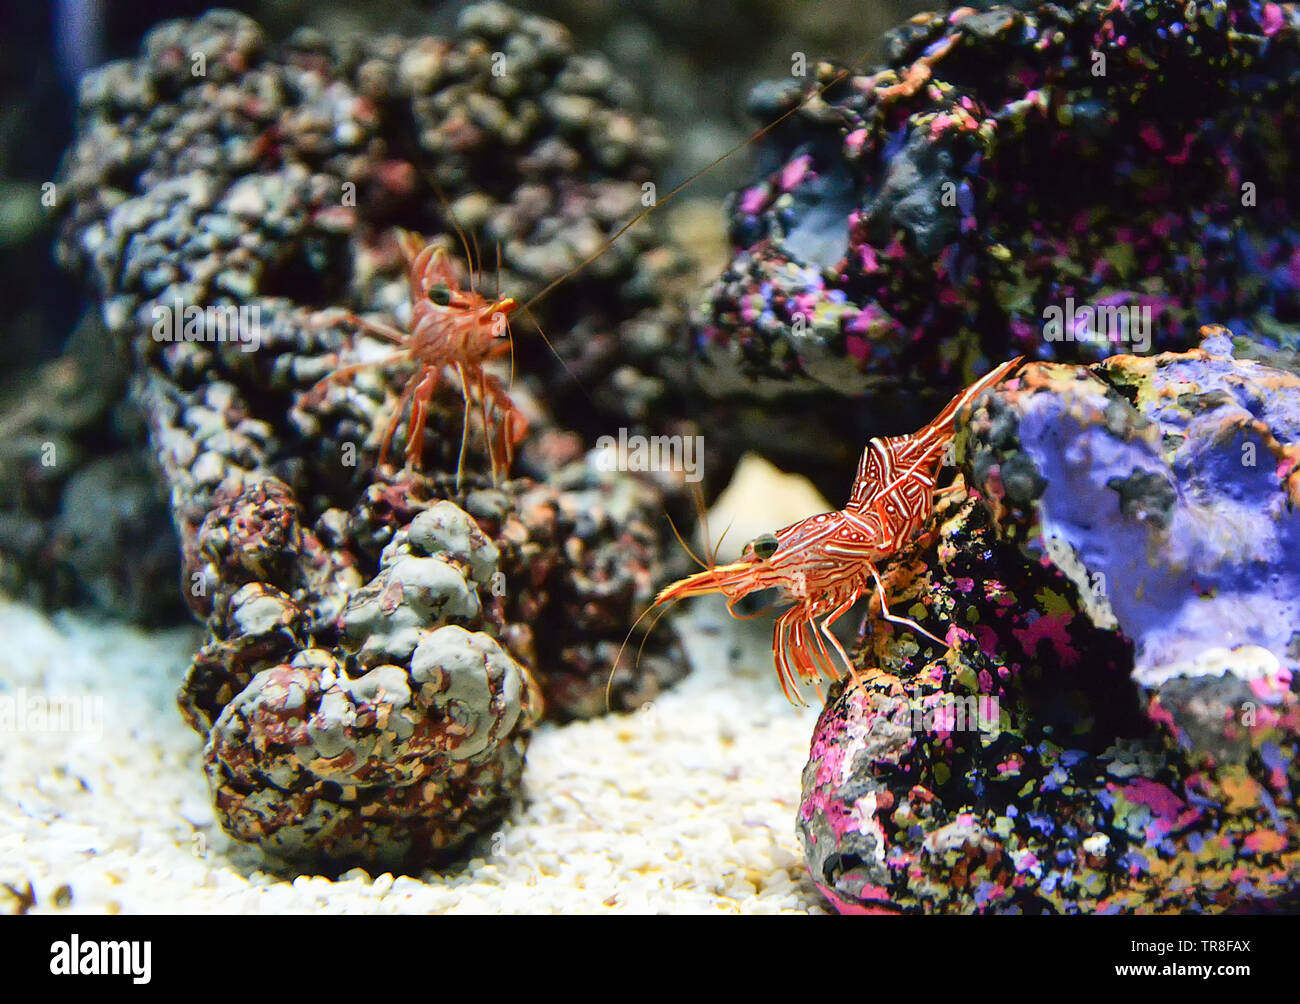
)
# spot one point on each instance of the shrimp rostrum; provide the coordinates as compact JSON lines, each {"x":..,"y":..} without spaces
{"x":824,"y":564}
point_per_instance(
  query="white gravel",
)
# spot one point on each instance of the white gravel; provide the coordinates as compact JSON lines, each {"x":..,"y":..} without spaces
{"x":684,"y":807}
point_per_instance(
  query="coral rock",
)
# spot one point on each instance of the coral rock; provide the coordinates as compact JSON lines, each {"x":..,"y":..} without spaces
{"x":918,"y":220}
{"x":1115,"y":725}
{"x":228,"y":199}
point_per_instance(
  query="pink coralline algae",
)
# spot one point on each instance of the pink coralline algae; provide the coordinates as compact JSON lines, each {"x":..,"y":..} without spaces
{"x":1115,"y":729}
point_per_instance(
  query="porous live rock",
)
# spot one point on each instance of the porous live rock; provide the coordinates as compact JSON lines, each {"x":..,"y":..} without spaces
{"x":264,"y":184}
{"x":383,"y":733}
{"x":598,"y":534}
{"x":1114,"y":728}
{"x":396,"y":767}
{"x":1126,"y":165}
{"x":275,"y":179}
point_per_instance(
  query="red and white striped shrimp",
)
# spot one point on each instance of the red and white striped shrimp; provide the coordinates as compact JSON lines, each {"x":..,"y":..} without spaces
{"x":825,"y":563}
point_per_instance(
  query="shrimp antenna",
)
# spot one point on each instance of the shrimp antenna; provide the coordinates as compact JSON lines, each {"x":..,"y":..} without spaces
{"x":478,"y":255}
{"x":697,"y":494}
{"x":609,"y":684}
{"x":710,"y":549}
{"x":842,"y":75}
{"x":472,"y":260}
{"x":687,"y":547}
{"x":646,"y":637}
{"x":567,"y":368}
{"x":699,"y":499}
{"x":496,"y":295}
{"x":718,"y":546}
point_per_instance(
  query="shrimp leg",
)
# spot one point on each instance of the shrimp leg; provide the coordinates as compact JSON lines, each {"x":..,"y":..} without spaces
{"x":786,"y":672}
{"x":884,"y":611}
{"x":512,"y":425}
{"x":317,"y":390}
{"x":397,"y":417}
{"x":419,"y":416}
{"x":377,"y":328}
{"x":464,"y":431}
{"x":830,"y":619}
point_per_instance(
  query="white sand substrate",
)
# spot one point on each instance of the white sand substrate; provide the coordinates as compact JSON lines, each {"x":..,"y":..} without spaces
{"x":686,"y":806}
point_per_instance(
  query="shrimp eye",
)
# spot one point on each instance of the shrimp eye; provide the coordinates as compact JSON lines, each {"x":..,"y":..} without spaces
{"x":764,"y":546}
{"x":440,"y":295}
